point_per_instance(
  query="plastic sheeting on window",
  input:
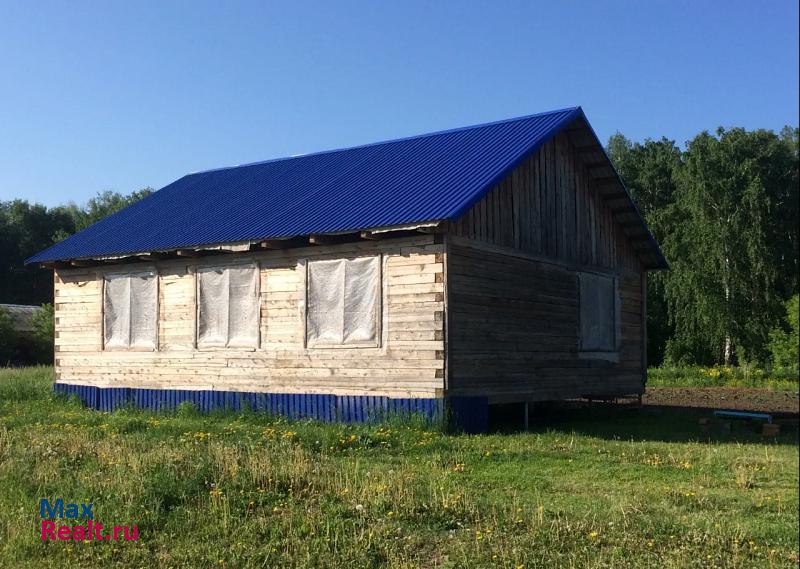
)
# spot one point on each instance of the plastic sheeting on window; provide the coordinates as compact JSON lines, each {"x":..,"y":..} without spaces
{"x":228,"y":307}
{"x":130,"y":310}
{"x":597,"y":312}
{"x":212,"y":308}
{"x":243,"y":312}
{"x":344,"y":302}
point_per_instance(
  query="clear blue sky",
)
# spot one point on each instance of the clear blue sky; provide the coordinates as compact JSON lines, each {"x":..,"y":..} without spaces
{"x":121,"y":95}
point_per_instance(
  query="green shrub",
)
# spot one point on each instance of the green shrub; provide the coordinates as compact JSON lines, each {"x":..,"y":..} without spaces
{"x":783,"y":344}
{"x":8,"y":338}
{"x":187,"y":409}
{"x":43,"y":323}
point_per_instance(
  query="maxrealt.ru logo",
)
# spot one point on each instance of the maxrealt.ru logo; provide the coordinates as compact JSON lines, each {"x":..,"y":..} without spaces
{"x":90,"y":532}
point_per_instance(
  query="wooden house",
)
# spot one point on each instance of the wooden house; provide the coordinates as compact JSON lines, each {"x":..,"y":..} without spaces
{"x":498,"y":263}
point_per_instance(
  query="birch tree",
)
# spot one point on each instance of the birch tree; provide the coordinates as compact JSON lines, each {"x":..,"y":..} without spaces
{"x":733,"y":247}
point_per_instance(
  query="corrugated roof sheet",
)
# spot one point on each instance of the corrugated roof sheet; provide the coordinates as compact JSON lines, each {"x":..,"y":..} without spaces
{"x":431,"y":177}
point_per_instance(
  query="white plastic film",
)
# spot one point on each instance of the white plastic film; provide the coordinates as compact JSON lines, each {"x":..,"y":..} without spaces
{"x":143,"y":310}
{"x":343,"y":302}
{"x":325,"y":320}
{"x":598,"y":312}
{"x":228,"y":307}
{"x":117,"y":311}
{"x":212,"y":307}
{"x":243,"y":314}
{"x":361,"y":300}
{"x":130,"y":310}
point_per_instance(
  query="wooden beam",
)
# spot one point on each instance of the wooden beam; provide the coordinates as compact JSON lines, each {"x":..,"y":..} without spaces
{"x":332,"y":239}
{"x":606,"y":180}
{"x":622,"y":209}
{"x":614,"y":196}
{"x":187,"y":253}
{"x":405,"y":231}
{"x":280,"y":244}
{"x":84,"y":263}
{"x":431,"y":230}
{"x":151,"y":256}
{"x":274,"y":244}
{"x":643,"y":325}
{"x":54,"y":265}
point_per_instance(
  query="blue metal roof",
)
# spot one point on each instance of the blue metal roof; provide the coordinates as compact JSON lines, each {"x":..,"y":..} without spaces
{"x":431,"y":177}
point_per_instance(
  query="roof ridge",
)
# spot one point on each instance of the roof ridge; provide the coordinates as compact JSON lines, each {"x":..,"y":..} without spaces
{"x":387,"y":141}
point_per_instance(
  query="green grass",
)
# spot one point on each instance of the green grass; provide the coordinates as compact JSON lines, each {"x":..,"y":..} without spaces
{"x":722,"y":376}
{"x":603,"y":489}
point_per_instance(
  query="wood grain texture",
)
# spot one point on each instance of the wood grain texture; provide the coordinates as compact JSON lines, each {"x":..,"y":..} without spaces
{"x":514,"y":330}
{"x":513,"y":299}
{"x":409,"y":362}
{"x":549,"y":206}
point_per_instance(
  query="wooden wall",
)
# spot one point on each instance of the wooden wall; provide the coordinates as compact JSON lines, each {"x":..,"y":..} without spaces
{"x":409,"y":363}
{"x":513,"y":303}
{"x":513,"y":330}
{"x":548,"y":207}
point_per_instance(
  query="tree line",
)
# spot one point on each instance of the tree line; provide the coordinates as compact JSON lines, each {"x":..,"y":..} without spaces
{"x":724,"y":209}
{"x":26,"y":229}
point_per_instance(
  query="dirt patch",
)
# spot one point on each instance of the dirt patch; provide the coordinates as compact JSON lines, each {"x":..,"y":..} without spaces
{"x":739,"y":398}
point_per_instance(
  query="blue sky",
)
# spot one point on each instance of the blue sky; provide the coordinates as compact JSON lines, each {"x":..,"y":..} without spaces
{"x":122,"y":95}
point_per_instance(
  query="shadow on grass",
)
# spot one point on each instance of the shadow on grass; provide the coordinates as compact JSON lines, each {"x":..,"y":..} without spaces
{"x":647,"y":423}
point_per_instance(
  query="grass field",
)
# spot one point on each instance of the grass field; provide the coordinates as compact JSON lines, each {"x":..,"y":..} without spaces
{"x":598,"y":488}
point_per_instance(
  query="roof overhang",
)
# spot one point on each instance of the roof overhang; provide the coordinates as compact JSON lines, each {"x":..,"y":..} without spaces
{"x":206,"y":250}
{"x":609,"y":185}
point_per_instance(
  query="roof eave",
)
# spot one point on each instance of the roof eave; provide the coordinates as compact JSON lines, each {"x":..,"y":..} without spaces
{"x":428,"y":226}
{"x":661,"y":263}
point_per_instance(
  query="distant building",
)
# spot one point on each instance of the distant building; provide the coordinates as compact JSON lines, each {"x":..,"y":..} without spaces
{"x":21,"y":316}
{"x":497,"y":263}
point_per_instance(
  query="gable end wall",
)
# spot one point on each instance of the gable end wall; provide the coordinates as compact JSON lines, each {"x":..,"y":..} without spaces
{"x":512,"y":279}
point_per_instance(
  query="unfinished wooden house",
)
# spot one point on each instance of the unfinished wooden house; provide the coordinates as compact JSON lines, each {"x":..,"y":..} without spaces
{"x":498,"y":263}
